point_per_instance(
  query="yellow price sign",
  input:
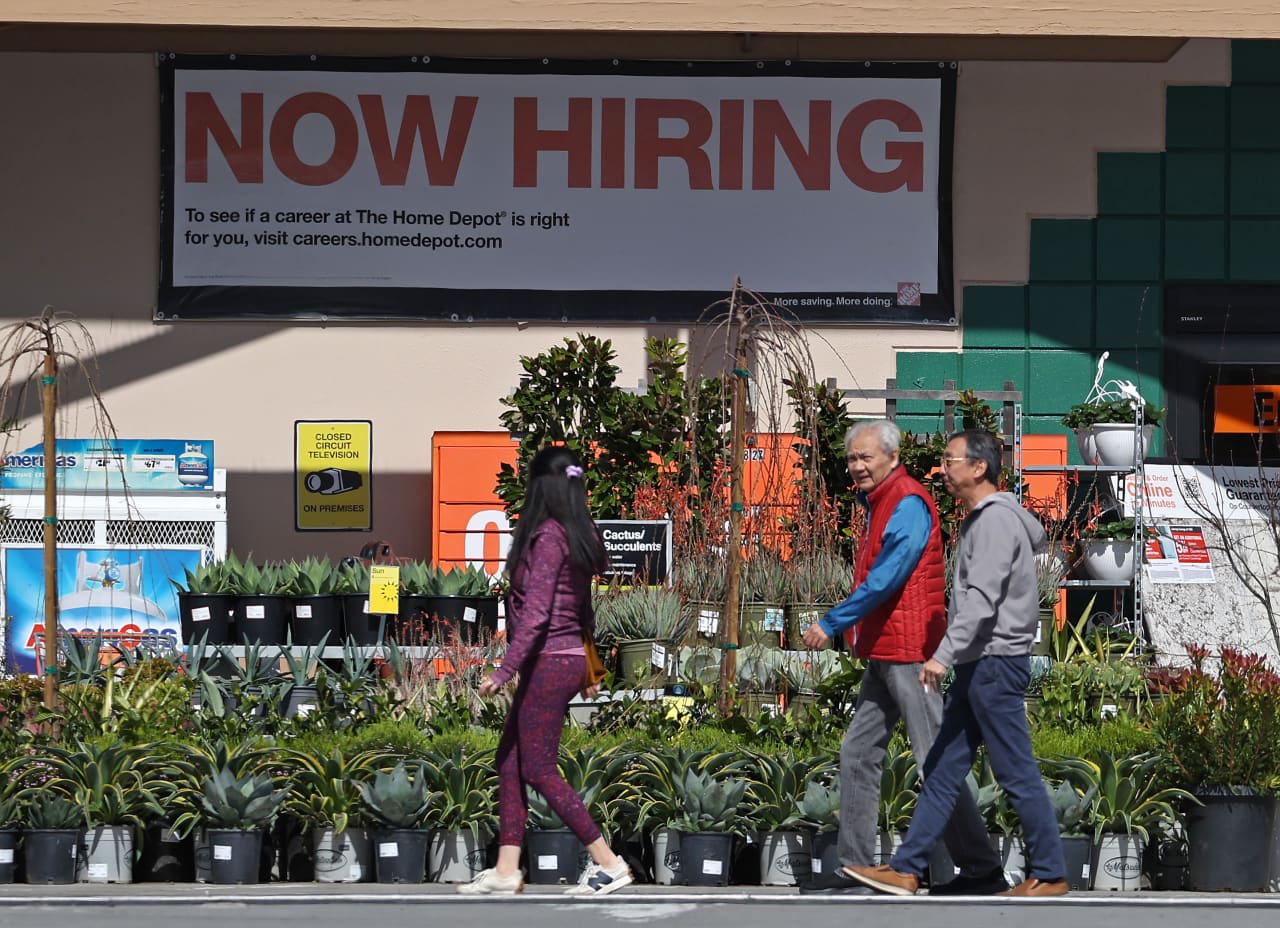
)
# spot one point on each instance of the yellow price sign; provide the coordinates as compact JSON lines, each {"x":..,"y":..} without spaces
{"x":384,"y":589}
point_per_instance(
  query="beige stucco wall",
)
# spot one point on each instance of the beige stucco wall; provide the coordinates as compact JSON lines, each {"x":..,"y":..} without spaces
{"x":80,"y":191}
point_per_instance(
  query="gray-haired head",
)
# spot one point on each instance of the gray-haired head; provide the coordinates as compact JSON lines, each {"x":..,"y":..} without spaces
{"x":887,"y":432}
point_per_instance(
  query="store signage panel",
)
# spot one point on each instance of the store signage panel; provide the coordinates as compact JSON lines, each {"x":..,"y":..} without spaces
{"x":333,"y":476}
{"x":1248,"y":409}
{"x":124,"y":593}
{"x":403,"y":188}
{"x":95,"y":465}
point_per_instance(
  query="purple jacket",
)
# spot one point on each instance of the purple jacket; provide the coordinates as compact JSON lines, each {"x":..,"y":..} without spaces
{"x":550,"y":600}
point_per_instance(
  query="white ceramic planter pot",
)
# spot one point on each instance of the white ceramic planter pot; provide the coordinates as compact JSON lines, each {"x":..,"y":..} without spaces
{"x":1117,"y":862}
{"x":1109,"y":560}
{"x":1088,"y":447}
{"x":1114,"y":442}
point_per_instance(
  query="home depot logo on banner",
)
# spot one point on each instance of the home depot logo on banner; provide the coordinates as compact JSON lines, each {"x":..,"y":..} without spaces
{"x":470,"y":524}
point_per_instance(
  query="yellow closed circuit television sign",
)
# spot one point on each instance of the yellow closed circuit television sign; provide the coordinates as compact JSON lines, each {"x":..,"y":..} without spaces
{"x":333,"y":475}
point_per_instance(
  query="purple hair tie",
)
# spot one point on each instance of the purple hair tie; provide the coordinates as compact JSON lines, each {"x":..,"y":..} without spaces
{"x":573,"y":471}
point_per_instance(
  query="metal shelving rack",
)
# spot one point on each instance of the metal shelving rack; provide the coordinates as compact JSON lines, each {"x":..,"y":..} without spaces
{"x":1136,"y":624}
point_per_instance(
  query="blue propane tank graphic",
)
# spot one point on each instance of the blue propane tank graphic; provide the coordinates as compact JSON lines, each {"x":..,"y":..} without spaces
{"x":193,"y":466}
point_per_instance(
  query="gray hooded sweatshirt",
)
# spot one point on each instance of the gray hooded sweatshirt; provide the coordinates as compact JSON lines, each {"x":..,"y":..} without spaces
{"x":995,"y":600}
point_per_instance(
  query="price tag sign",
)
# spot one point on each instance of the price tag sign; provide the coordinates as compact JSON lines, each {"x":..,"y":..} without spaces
{"x":384,"y":589}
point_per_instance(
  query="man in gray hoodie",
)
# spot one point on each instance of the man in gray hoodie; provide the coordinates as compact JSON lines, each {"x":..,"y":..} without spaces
{"x":990,"y":630}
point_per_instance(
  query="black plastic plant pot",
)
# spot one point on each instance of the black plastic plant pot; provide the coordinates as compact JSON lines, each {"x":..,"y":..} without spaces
{"x":823,"y":852}
{"x":1076,"y":853}
{"x":554,"y":855}
{"x":1229,"y":838}
{"x":486,"y":608}
{"x":365,"y":628}
{"x":448,"y":617}
{"x":412,"y":626}
{"x":400,"y":855}
{"x":207,"y":616}
{"x":314,"y":617}
{"x":8,"y":854}
{"x":164,"y":857}
{"x":234,"y":855}
{"x":705,"y":858}
{"x":261,"y":619}
{"x":51,"y":854}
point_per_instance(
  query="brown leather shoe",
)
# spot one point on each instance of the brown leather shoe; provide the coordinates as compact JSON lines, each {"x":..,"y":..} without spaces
{"x":885,"y":879}
{"x":1034,"y":887}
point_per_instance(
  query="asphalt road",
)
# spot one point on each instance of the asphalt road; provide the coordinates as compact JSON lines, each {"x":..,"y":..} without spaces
{"x":163,"y":906}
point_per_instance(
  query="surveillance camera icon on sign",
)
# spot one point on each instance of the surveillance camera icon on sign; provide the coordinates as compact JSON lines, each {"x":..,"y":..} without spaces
{"x":332,"y":480}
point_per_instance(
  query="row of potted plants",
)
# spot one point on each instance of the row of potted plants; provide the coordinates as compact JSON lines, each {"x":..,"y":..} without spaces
{"x":1213,"y":727}
{"x":405,"y":819}
{"x":235,"y":600}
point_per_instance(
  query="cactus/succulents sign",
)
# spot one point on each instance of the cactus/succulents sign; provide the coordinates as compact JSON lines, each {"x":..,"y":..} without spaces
{"x":637,"y":549}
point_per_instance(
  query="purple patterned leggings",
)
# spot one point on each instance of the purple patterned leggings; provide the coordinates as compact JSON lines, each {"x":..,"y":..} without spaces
{"x":530,"y":744}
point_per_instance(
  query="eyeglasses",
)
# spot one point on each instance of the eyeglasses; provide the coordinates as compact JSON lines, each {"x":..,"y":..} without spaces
{"x":947,"y":462}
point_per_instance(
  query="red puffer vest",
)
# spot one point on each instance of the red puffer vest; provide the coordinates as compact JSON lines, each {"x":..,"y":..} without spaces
{"x":908,"y":626}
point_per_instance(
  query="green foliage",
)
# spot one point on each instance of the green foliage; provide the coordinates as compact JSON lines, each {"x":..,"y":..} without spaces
{"x":822,"y":577}
{"x":1123,"y":736}
{"x":1223,"y":731}
{"x":1115,"y":530}
{"x":112,"y":783}
{"x":823,"y":415}
{"x":569,"y":395}
{"x":777,"y":784}
{"x":899,"y":790}
{"x":1083,"y":415}
{"x":1127,"y":794}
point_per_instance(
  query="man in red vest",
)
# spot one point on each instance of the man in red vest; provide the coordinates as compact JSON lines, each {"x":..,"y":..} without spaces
{"x":894,"y":620}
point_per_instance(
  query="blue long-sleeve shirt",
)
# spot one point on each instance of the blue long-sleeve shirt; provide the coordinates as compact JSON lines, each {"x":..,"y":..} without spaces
{"x":905,"y":537}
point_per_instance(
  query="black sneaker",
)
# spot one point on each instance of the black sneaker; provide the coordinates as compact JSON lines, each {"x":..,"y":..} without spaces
{"x":986,"y":885}
{"x":836,"y":882}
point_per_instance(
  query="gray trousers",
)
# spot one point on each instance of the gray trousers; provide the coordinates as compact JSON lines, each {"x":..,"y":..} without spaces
{"x":889,"y":692}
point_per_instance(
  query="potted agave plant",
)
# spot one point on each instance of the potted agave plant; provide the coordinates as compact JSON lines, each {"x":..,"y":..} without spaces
{"x":325,"y":793}
{"x":710,"y":815}
{"x":236,"y":808}
{"x":817,"y":582}
{"x":701,"y":582}
{"x":261,"y":612}
{"x":398,"y":802}
{"x":818,"y":811}
{"x":762,"y":615}
{"x":316,"y":608}
{"x":464,"y":816}
{"x":53,"y":836}
{"x":205,"y":603}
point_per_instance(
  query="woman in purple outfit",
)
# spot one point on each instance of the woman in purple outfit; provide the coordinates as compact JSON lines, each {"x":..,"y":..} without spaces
{"x":555,"y":552}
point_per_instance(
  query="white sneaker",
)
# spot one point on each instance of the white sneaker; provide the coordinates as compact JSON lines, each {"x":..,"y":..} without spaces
{"x":600,"y":881}
{"x":489,"y":883}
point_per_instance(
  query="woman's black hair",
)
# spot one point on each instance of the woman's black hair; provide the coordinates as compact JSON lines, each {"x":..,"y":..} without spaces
{"x":551,"y":493}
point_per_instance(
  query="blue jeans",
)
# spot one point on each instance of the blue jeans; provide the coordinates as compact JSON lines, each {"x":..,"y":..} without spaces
{"x":890,"y":692}
{"x":985,"y":705}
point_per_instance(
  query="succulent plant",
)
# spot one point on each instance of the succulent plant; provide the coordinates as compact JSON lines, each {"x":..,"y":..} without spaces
{"x":819,"y":807}
{"x":245,"y":801}
{"x":52,"y":810}
{"x":709,"y":803}
{"x":312,"y":577}
{"x":398,"y":799}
